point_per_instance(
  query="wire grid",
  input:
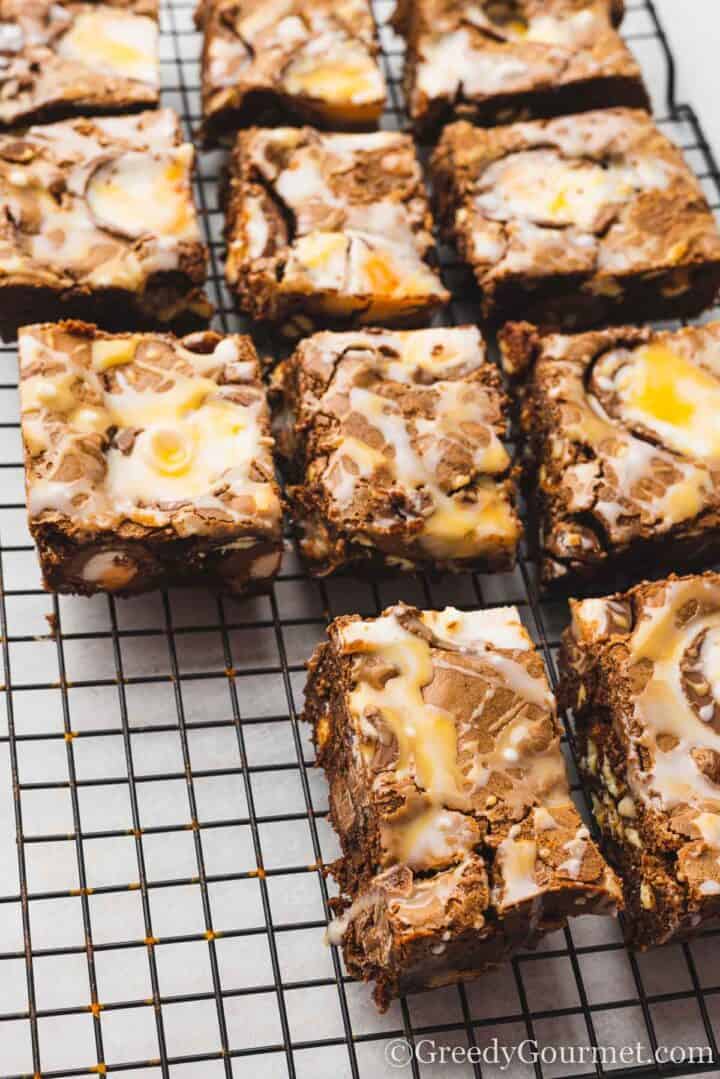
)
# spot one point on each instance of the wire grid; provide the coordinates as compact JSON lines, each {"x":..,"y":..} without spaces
{"x":162,"y":831}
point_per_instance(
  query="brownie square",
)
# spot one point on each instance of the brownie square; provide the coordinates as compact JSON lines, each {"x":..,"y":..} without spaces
{"x":640,"y":671}
{"x":99,"y":221}
{"x":268,"y":63}
{"x":60,"y":58}
{"x":148,"y":460}
{"x":519,"y":60}
{"x":623,"y":437}
{"x":439,"y":737}
{"x":394,"y":442}
{"x":329,"y":229}
{"x":579,"y":220}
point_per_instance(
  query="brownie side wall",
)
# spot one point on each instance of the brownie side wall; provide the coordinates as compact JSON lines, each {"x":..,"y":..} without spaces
{"x":160,"y":562}
{"x":353,"y":813}
{"x":567,"y":302}
{"x":657,"y":902}
{"x":113,"y":309}
{"x":582,"y":95}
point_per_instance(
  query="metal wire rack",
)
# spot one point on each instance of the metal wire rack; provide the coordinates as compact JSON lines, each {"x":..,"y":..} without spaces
{"x":162,"y":831}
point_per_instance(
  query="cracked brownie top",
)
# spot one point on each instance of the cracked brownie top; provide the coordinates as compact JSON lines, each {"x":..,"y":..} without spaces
{"x":265,"y":59}
{"x":101,"y":204}
{"x":397,"y":442}
{"x":336,"y":225}
{"x":493,"y":59}
{"x":623,"y":425}
{"x":138,"y":433}
{"x":61,"y":57}
{"x":650,"y":658}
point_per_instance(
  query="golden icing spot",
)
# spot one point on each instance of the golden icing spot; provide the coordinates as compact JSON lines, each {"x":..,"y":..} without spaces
{"x":382,"y":277}
{"x":318,"y":248}
{"x":170,"y":452}
{"x":559,"y":204}
{"x":460,"y":530}
{"x":138,"y":194}
{"x":113,"y":42}
{"x":333,"y":80}
{"x":112,"y":352}
{"x":678,"y":398}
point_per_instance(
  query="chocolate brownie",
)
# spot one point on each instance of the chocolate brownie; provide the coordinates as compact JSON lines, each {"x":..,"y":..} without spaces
{"x":61,"y":58}
{"x":283,"y":61}
{"x":148,"y":460}
{"x":577,"y":221}
{"x":98,"y":220}
{"x":623,"y":437}
{"x":394,"y":443}
{"x":640,"y":671}
{"x":495,"y":62}
{"x":329,"y":229}
{"x":438,"y":734}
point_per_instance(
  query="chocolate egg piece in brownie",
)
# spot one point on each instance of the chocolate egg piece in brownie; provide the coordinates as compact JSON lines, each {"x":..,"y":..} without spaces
{"x":328,"y":230}
{"x":622,"y":434}
{"x":394,"y":442}
{"x":495,"y":63}
{"x":578,"y":221}
{"x":641,"y":671}
{"x":448,"y":789}
{"x":274,"y":61}
{"x":148,"y":460}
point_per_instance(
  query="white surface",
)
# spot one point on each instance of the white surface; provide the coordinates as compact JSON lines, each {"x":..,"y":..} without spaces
{"x":693,"y":28}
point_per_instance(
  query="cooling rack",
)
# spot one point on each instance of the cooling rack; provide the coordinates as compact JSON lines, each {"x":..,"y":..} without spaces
{"x":162,"y":829}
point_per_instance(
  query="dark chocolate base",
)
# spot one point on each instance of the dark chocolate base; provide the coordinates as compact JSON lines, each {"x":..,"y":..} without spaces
{"x":153,"y":562}
{"x":113,"y":309}
{"x":564,"y":303}
{"x":52,"y":112}
{"x":263,"y":108}
{"x":602,"y":92}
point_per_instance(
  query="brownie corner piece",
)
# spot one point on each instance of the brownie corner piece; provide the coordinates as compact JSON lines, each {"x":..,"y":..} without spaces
{"x":265,"y":64}
{"x":622,"y":433}
{"x":148,"y":460}
{"x":62,"y":59}
{"x":394,"y":442}
{"x":438,"y":735}
{"x":329,"y":230}
{"x":101,"y":224}
{"x":639,"y":670}
{"x":492,"y":64}
{"x":579,"y":220}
